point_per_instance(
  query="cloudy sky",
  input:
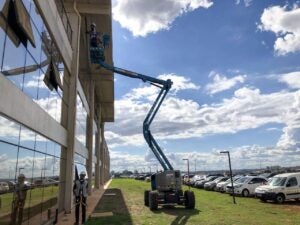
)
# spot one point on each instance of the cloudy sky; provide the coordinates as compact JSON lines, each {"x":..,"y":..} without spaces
{"x":235,"y":69}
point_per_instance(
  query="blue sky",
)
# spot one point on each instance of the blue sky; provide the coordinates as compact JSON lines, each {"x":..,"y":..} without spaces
{"x":235,"y":68}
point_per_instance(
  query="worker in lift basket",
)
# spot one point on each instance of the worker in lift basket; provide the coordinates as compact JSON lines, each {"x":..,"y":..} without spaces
{"x":80,"y":192}
{"x":95,"y":37}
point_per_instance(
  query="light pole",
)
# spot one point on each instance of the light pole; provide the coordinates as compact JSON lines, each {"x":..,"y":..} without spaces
{"x":227,"y":152}
{"x":21,"y":168}
{"x":188,"y":165}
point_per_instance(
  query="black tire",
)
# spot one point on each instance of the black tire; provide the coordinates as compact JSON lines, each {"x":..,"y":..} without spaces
{"x":146,"y":198}
{"x":279,"y":198}
{"x":179,"y":197}
{"x":189,"y":199}
{"x":263,"y":200}
{"x":245,"y":193}
{"x":153,"y":200}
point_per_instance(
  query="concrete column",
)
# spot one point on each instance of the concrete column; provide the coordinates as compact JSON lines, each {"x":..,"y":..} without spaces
{"x":102,"y":159}
{"x":69,"y":121}
{"x":89,"y":133}
{"x":98,"y":149}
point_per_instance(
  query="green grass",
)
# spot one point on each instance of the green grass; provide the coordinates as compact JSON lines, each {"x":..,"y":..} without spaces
{"x":211,"y":208}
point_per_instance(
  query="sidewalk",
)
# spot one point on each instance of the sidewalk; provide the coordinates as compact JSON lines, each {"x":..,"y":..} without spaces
{"x":92,"y":201}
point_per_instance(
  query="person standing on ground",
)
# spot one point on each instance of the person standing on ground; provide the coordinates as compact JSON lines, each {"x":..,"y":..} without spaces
{"x":80,"y":191}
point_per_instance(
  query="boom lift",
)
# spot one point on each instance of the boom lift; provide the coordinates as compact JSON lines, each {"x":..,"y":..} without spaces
{"x":166,"y":185}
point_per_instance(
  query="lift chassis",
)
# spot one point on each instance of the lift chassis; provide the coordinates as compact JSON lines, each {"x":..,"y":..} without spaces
{"x":166,"y":186}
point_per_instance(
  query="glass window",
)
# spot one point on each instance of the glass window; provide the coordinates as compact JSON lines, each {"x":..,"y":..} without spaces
{"x":41,"y":144}
{"x":57,"y":150}
{"x":9,"y":130}
{"x":25,"y":163}
{"x":27,"y":138}
{"x":31,"y":77}
{"x":8,"y":161}
{"x":81,"y":117}
{"x":2,"y":37}
{"x":292,"y":182}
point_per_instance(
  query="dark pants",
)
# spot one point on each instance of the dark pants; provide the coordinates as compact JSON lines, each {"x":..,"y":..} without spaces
{"x":82,"y":201}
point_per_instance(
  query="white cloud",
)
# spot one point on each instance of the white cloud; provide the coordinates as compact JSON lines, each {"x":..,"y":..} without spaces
{"x":179,"y":82}
{"x":252,"y":157}
{"x":181,"y":119}
{"x":284,"y":22}
{"x":291,"y":79}
{"x":221,"y":83}
{"x":144,"y":17}
{"x":246,"y":2}
{"x":273,"y":129}
{"x":290,"y":139}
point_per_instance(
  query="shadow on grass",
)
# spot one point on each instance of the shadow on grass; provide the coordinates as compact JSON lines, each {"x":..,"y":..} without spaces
{"x":182,"y":214}
{"x":111,"y":210}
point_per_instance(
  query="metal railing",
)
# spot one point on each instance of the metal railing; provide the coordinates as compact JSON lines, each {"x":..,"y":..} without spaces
{"x":64,"y":17}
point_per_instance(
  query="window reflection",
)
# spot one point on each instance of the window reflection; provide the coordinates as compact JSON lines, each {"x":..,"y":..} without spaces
{"x":41,"y":144}
{"x":81,"y":116}
{"x":9,"y":130}
{"x":8,"y":162}
{"x":27,"y":138}
{"x":2,"y":36}
{"x":22,"y":151}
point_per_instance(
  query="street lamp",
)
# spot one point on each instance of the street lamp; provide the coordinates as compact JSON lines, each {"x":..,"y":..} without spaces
{"x":188,"y":164}
{"x":227,"y":152}
{"x":21,"y":168}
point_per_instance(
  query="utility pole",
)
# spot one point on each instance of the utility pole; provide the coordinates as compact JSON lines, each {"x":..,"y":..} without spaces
{"x":227,"y":152}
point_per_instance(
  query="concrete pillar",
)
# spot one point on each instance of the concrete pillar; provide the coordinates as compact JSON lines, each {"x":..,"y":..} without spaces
{"x":102,"y":159}
{"x":98,"y":149}
{"x":90,"y":134}
{"x":69,"y":121}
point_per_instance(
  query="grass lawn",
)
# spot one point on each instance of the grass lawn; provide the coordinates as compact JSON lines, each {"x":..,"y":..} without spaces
{"x":125,"y":199}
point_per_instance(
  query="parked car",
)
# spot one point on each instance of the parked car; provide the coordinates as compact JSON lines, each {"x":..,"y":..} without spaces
{"x":11,"y":185}
{"x":282,"y":187}
{"x":245,"y":186}
{"x":195,"y":178}
{"x":212,"y":184}
{"x":186,"y":179}
{"x":4,"y":187}
{"x":45,"y":182}
{"x":200,"y":184}
{"x":221,"y":186}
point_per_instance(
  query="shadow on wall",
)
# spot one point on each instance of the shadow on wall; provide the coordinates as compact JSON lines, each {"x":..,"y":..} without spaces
{"x":111,"y":209}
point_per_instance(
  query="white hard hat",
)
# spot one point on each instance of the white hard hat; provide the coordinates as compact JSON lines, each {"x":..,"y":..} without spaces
{"x":93,"y":24}
{"x":82,"y":173}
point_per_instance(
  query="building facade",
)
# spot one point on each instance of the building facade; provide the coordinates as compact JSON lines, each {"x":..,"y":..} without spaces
{"x":53,"y":106}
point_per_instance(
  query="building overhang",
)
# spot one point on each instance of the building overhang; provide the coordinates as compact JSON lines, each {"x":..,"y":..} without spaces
{"x":99,"y":12}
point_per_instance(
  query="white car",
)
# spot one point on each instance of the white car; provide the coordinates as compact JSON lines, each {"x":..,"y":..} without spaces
{"x":282,"y":187}
{"x":221,"y":186}
{"x":245,"y":186}
{"x":4,"y":187}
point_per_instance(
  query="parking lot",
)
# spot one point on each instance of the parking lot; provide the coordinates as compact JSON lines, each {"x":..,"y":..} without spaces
{"x":123,"y":204}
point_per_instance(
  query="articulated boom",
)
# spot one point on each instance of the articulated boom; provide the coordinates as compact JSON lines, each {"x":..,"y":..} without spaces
{"x":165,"y":86}
{"x":166,"y":185}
